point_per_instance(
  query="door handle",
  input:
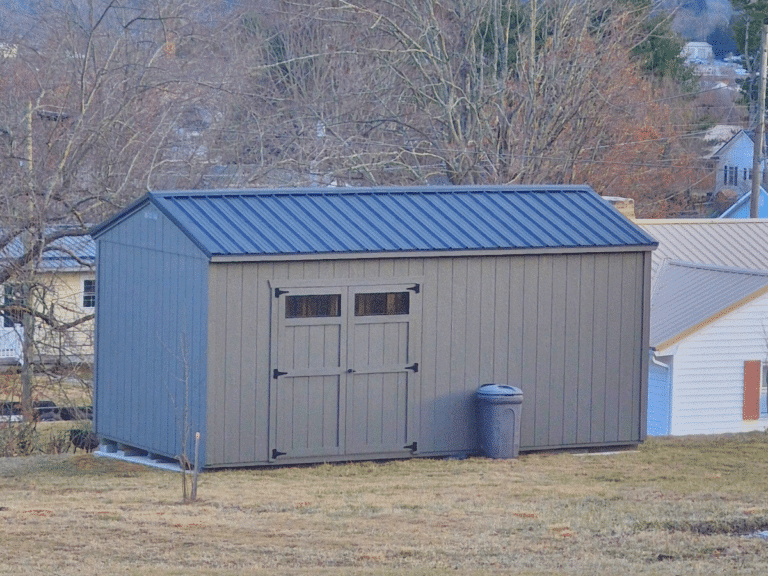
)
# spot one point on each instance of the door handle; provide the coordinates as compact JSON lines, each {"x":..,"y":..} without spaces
{"x":350,"y":371}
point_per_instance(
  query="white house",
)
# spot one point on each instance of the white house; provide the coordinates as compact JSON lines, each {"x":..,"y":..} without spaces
{"x":709,"y":326}
{"x":732,"y":163}
{"x":709,"y":336}
{"x":697,"y":52}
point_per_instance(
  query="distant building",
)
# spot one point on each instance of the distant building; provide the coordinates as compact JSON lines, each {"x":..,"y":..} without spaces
{"x":698,"y":52}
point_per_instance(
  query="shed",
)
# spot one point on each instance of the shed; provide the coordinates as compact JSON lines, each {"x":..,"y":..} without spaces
{"x":293,"y":326}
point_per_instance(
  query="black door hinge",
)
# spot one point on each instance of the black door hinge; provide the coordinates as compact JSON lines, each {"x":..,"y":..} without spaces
{"x":276,"y":453}
{"x":278,"y":292}
{"x":415,"y":288}
{"x":412,"y":446}
{"x":414,"y":367}
{"x":276,"y":373}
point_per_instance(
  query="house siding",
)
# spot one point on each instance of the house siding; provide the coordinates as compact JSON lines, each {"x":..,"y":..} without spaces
{"x":151,"y":297}
{"x":659,"y":396}
{"x":567,"y":329}
{"x":707,"y":396}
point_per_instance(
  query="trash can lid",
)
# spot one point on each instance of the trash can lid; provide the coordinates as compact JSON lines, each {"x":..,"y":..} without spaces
{"x":499,"y":390}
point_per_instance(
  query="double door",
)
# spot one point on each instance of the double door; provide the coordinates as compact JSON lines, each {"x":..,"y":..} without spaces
{"x":344,"y":370}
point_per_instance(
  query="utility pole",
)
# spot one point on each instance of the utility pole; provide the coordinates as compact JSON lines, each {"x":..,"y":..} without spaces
{"x":757,"y":156}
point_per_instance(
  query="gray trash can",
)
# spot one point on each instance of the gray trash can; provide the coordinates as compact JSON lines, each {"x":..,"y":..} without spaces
{"x":499,"y":408}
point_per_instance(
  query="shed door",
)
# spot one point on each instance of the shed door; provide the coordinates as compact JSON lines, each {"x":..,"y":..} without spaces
{"x":307,"y":385}
{"x":382,"y":368}
{"x":343,"y":375}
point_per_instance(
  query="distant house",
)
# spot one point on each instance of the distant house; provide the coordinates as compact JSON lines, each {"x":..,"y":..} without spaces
{"x":65,"y":278}
{"x":697,"y":52}
{"x":709,"y":326}
{"x":328,"y":324}
{"x":732,"y":164}
{"x":742,"y":208}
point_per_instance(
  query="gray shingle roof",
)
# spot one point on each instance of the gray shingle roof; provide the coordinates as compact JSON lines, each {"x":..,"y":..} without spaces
{"x":333,"y":220}
{"x":687,"y":296}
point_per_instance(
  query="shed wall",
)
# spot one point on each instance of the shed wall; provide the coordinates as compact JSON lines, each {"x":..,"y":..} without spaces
{"x":708,"y":373}
{"x":150,"y":331}
{"x":570,"y":330}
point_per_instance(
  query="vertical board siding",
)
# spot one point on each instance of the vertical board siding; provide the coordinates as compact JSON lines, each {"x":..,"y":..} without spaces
{"x":152,"y":334}
{"x":586,"y":358}
{"x":558,"y":368}
{"x":572,"y":347}
{"x":567,"y":329}
{"x":599,"y":352}
{"x":707,"y":395}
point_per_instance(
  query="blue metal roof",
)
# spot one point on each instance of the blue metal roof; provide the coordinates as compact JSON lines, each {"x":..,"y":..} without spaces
{"x":333,"y":220}
{"x":65,"y":253}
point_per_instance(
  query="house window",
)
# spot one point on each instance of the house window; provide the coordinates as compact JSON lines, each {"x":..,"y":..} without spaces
{"x":12,"y":297}
{"x":731,"y":175}
{"x":313,"y":306}
{"x":382,"y":304}
{"x":89,"y":293}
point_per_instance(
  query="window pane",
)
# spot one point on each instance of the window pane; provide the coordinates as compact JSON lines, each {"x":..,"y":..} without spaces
{"x":315,"y":306}
{"x":382,"y":304}
{"x":89,"y":293}
{"x":13,"y":297}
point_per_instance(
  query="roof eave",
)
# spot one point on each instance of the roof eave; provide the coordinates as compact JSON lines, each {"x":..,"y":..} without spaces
{"x":126,"y":212}
{"x":662,"y":347}
{"x":220,"y":258}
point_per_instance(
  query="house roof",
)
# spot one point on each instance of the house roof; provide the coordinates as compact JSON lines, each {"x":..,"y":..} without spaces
{"x":737,"y":136}
{"x":687,"y":297}
{"x":232,"y":223}
{"x":717,"y":136}
{"x":67,"y":253}
{"x":733,"y":243}
{"x":742,"y":205}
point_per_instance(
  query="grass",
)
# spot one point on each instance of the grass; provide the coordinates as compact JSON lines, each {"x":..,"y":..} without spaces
{"x":674,"y":506}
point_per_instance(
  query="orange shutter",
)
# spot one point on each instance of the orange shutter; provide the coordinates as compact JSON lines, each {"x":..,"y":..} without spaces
{"x":751,"y":409}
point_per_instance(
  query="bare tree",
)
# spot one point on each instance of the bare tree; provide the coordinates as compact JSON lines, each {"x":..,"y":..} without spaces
{"x":92,"y":114}
{"x":485,"y":91}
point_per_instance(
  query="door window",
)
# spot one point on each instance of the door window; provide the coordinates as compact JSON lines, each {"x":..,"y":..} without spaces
{"x":382,"y":303}
{"x":313,"y":306}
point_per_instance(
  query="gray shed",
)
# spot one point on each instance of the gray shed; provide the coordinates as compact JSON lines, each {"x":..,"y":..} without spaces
{"x":315,"y":325}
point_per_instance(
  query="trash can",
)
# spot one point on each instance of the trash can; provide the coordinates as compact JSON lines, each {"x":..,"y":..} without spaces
{"x":499,"y":408}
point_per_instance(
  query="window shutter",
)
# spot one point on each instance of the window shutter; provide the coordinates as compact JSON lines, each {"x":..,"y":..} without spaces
{"x":751,"y":408}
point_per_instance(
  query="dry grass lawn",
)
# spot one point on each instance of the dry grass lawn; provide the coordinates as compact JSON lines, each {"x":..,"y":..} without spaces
{"x":675,"y":506}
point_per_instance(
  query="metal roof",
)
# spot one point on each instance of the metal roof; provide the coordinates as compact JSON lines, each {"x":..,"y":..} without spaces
{"x":729,"y":243}
{"x":65,"y":253}
{"x":687,"y":296}
{"x":742,"y":207}
{"x":333,"y":220}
